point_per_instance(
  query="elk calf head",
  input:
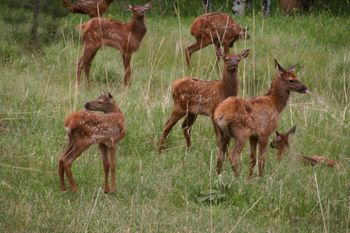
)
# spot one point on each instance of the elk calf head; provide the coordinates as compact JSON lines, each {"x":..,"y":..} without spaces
{"x":232,"y":60}
{"x":104,"y":103}
{"x":139,"y":11}
{"x":281,"y":142}
{"x":289,"y":80}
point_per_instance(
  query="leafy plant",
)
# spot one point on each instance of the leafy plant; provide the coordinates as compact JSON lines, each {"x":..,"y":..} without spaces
{"x":222,"y":185}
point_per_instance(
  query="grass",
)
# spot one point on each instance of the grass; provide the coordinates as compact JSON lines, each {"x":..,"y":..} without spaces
{"x":159,"y":192}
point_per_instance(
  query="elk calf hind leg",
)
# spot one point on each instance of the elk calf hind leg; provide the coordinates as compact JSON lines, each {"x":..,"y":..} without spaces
{"x":262,"y":155}
{"x":252,"y":162}
{"x":67,"y":160}
{"x":234,"y":157}
{"x":195,"y":47}
{"x":223,"y":142}
{"x":112,"y":151}
{"x":85,"y":62}
{"x":127,"y":69}
{"x":187,"y":127}
{"x":174,"y":118}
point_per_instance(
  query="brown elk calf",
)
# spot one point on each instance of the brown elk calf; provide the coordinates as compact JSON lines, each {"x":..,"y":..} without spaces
{"x":85,"y":128}
{"x":214,"y":28}
{"x":125,"y":37}
{"x":254,"y":119}
{"x":93,"y":8}
{"x":193,"y":96}
{"x":281,"y":144}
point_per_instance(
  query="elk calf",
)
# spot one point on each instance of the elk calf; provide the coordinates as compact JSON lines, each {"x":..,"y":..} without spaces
{"x":194,"y":97}
{"x":253,"y":119}
{"x":125,"y":37}
{"x":93,"y":8}
{"x":281,"y":144}
{"x":214,"y":28}
{"x":85,"y":128}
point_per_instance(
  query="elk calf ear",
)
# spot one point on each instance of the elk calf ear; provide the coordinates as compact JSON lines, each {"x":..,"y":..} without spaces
{"x":279,"y":67}
{"x":148,"y":5}
{"x":220,"y":54}
{"x":292,"y":68}
{"x":109,"y":95}
{"x":292,"y":130}
{"x":244,"y":54}
{"x":129,"y":7}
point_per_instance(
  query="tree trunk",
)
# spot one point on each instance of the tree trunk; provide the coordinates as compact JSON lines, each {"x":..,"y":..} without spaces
{"x":36,"y":10}
{"x":207,"y":5}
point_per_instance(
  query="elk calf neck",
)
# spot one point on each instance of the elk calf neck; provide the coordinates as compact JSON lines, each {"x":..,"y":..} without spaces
{"x":281,"y":144}
{"x":254,"y":119}
{"x":214,"y":28}
{"x":85,"y":128}
{"x":194,"y":97}
{"x":93,"y":8}
{"x":125,"y":37}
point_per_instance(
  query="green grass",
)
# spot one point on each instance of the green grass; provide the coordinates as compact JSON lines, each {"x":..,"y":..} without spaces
{"x":159,"y":192}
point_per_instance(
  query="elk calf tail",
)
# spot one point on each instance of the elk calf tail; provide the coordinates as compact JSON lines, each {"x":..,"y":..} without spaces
{"x":83,"y":26}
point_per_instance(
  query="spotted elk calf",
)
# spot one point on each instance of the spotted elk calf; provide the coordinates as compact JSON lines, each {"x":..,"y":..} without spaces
{"x":253,"y":119}
{"x":93,"y":8}
{"x":214,"y":28}
{"x":125,"y":37}
{"x":85,"y":128}
{"x":281,"y":144}
{"x":194,"y":97}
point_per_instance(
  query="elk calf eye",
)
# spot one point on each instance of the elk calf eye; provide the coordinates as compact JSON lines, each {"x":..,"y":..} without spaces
{"x":291,"y":80}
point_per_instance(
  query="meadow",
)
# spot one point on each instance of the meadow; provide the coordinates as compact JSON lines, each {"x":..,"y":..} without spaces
{"x":171,"y":191}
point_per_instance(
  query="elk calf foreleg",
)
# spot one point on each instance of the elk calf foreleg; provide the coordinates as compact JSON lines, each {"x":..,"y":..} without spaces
{"x":127,"y":69}
{"x":106,"y":165}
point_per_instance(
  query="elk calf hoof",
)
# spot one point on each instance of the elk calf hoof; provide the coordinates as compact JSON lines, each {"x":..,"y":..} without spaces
{"x":74,"y":190}
{"x":160,"y":148}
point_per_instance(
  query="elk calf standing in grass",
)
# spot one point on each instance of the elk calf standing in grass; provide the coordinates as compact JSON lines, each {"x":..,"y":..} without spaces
{"x":126,"y":37}
{"x":93,"y":8}
{"x":85,"y":128}
{"x":254,"y":119}
{"x":214,"y":28}
{"x":281,"y":144}
{"x":192,"y":96}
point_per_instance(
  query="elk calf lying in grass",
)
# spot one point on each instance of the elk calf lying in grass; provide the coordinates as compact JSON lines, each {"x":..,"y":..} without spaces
{"x":194,"y":97}
{"x":253,"y":119}
{"x":214,"y":28}
{"x":85,"y":128}
{"x":281,"y":144}
{"x":93,"y":8}
{"x":125,"y":37}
